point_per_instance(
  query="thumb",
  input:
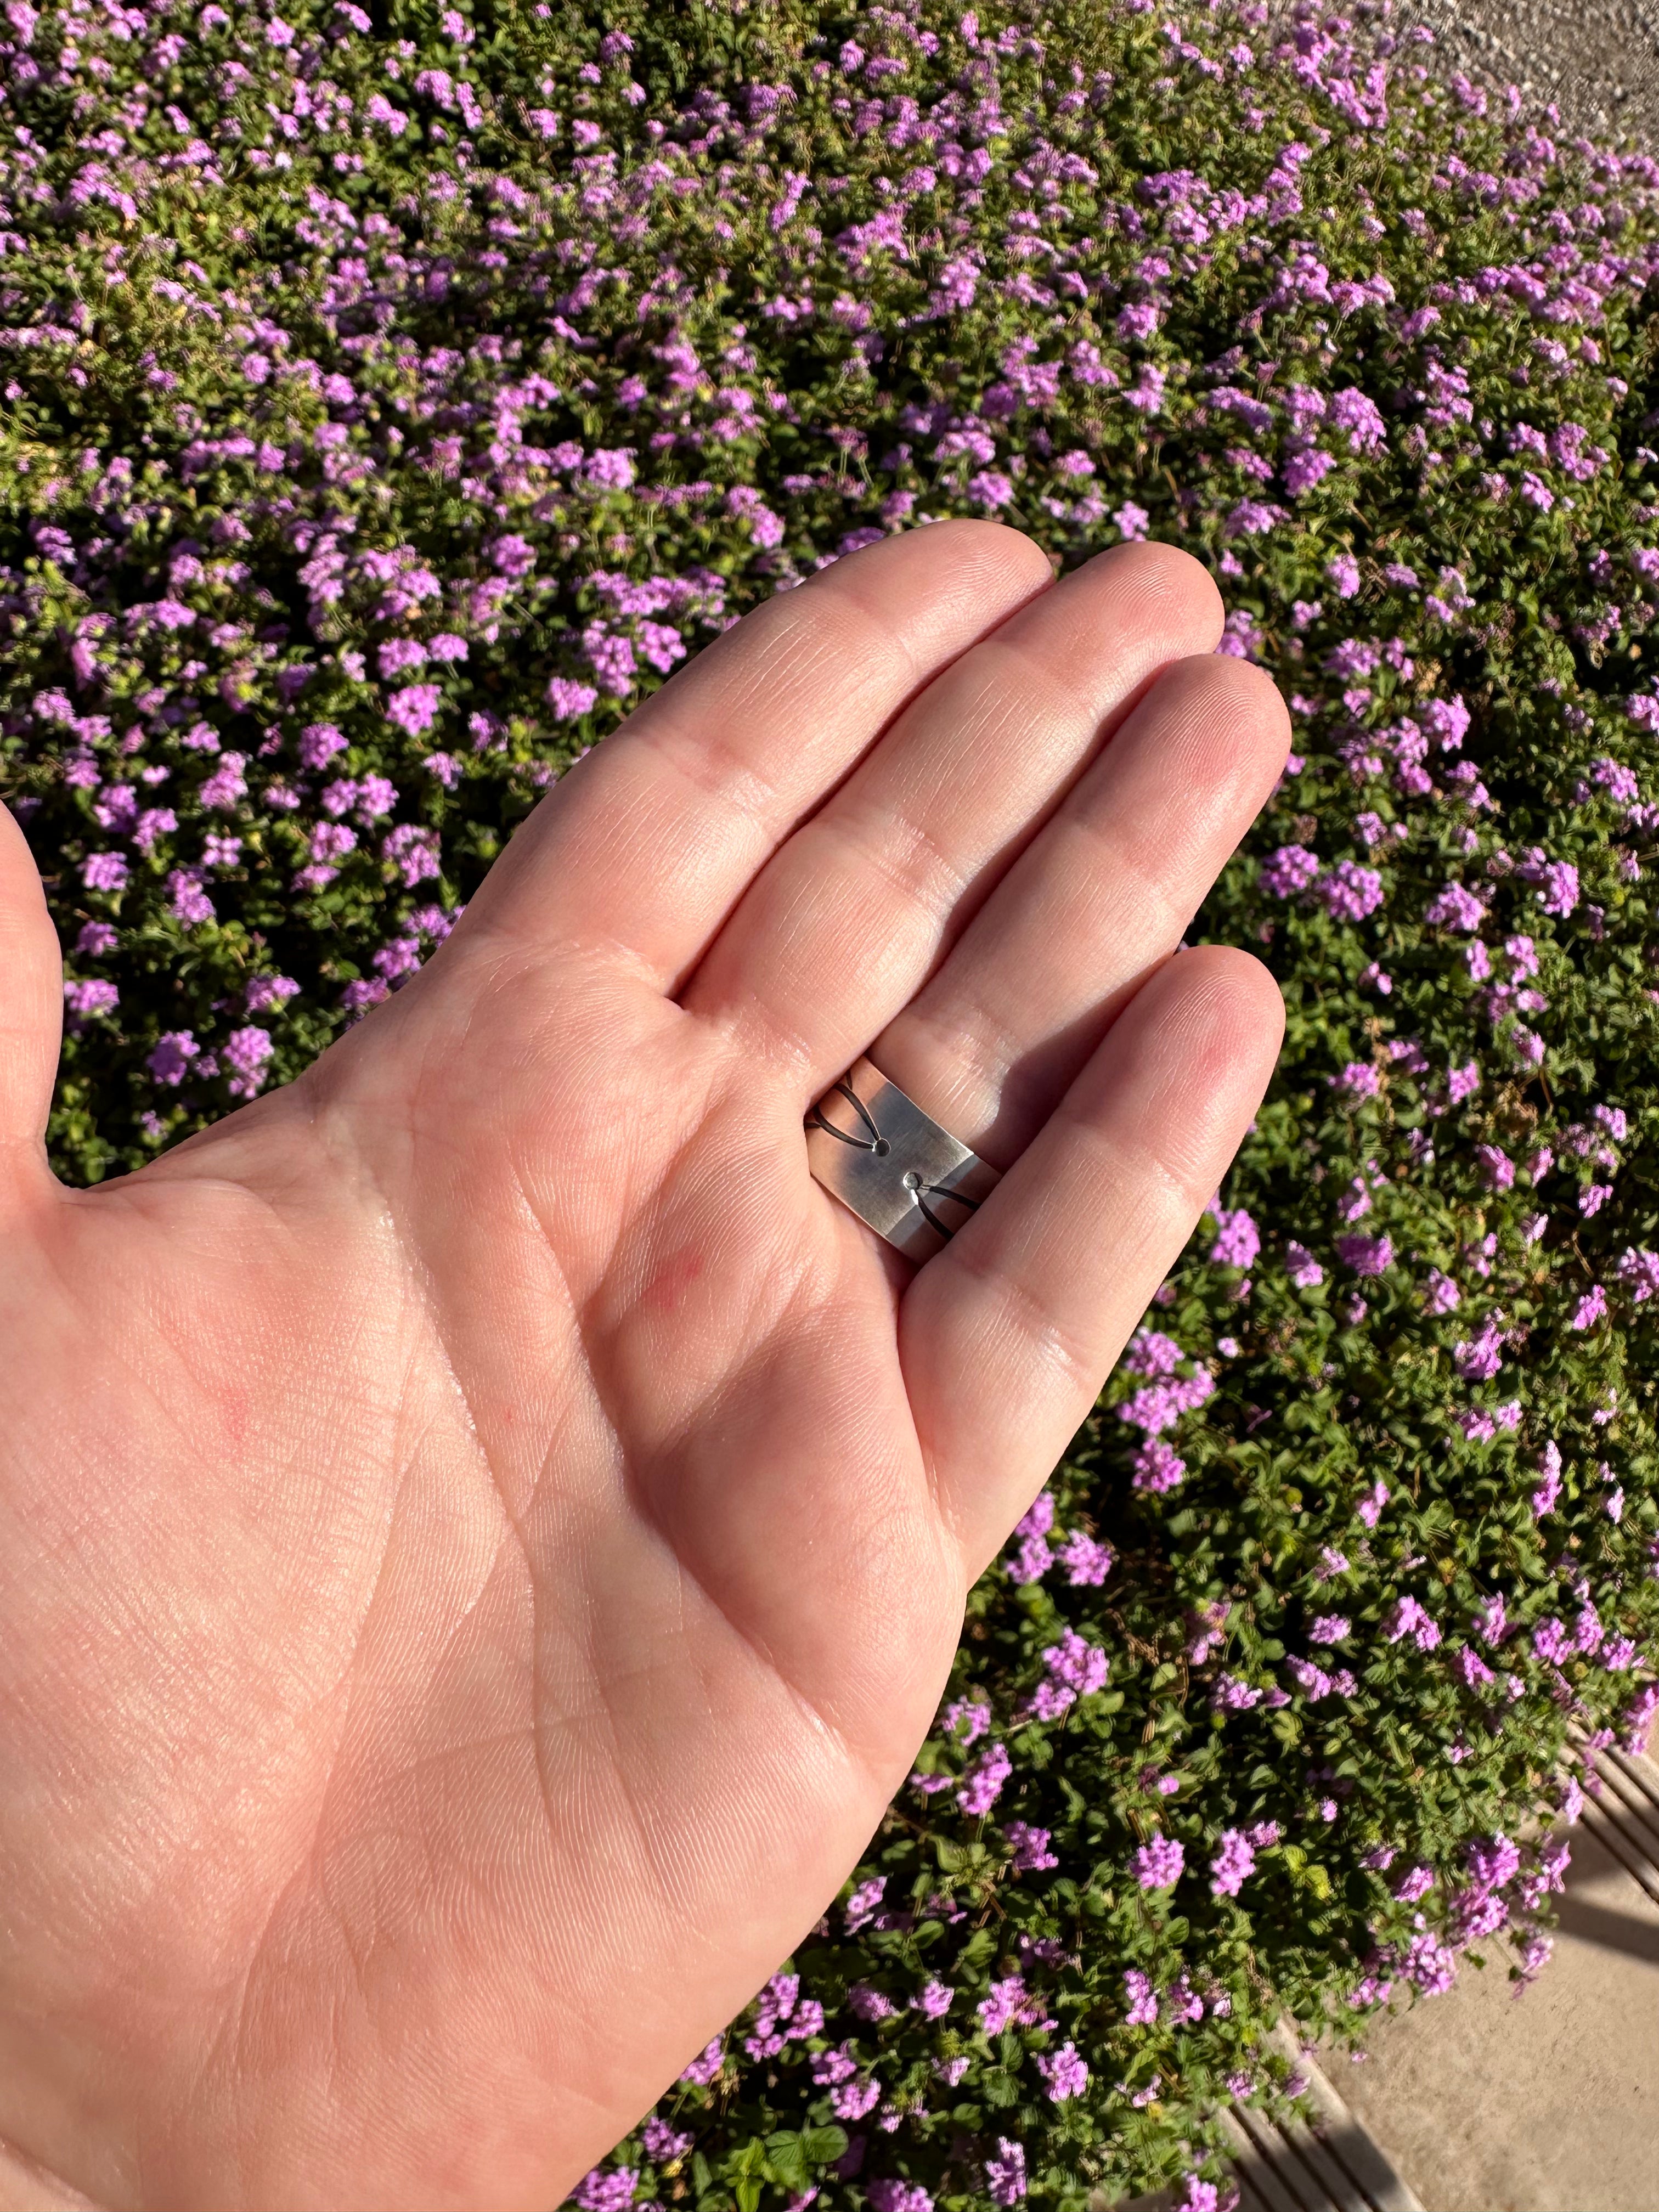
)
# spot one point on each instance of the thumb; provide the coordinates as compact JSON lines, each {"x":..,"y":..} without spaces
{"x":31,"y":1006}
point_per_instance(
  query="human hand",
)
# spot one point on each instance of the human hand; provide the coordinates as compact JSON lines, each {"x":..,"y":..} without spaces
{"x":482,"y":1533}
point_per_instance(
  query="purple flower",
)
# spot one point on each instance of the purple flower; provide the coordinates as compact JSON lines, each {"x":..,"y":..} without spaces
{"x":990,"y":489}
{"x":871,"y":2003}
{"x":319,"y":743}
{"x":1142,"y":2004}
{"x":1064,"y":2071}
{"x":1158,"y":1864}
{"x":1082,"y":1667}
{"x":1344,"y":574}
{"x":1479,"y":1359}
{"x":1455,"y":907}
{"x":981,"y":1785}
{"x":1366,"y":1255}
{"x":1369,"y":1509}
{"x":1158,"y":1467}
{"x":1494,"y":1864}
{"x":1232,"y":1696}
{"x":1150,"y":1351}
{"x":1086,"y":1561}
{"x":1351,"y":892}
{"x":169,"y":1061}
{"x":1470,"y":1669}
{"x":1009,"y":2003}
{"x":1560,"y":893}
{"x":1162,"y":1403}
{"x":1544,"y":1497}
{"x":862,"y":1905}
{"x":1407,"y":1618}
{"x":1306,"y":468}
{"x":602,"y":2191}
{"x":189,"y":902}
{"x":414,"y":708}
{"x":511,"y":555}
{"x":1233,"y":1865}
{"x":609,"y":467}
{"x":1031,"y":1852}
{"x":1497,"y":1168}
{"x":1430,"y":1964}
{"x":1313,"y":1681}
{"x":1033,"y":1560}
{"x":1290,"y":869}
{"x":568,"y":698}
{"x":1004,"y":2174}
{"x":104,"y":871}
{"x":1304,"y":1269}
{"x":663,"y":2142}
{"x":1252,"y":518}
{"x":1238,"y":1239}
{"x":1354,"y":411}
{"x":891,"y":2195}
{"x":398,"y":653}
{"x":247,"y":1053}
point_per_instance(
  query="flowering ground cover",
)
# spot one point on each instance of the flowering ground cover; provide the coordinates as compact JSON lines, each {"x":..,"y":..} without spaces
{"x":392,"y":397}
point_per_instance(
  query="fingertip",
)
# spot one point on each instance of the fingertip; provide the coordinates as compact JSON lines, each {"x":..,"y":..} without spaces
{"x":1226,"y":1021}
{"x":1260,"y":708}
{"x":999,"y":556}
{"x":1193,"y":605}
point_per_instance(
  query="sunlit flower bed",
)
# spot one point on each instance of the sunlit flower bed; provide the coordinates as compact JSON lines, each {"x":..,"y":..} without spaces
{"x":391,"y":401}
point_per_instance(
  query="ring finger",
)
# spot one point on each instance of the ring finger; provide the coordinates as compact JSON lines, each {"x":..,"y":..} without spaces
{"x":992,"y":1041}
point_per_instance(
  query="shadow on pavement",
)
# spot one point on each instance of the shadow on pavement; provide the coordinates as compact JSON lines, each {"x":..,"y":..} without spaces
{"x":1612,"y":1931}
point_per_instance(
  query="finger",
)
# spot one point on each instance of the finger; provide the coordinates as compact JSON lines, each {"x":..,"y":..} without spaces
{"x":31,"y":1009}
{"x":995,"y":1040}
{"x":648,"y":843}
{"x":1008,"y":1335}
{"x":845,"y":923}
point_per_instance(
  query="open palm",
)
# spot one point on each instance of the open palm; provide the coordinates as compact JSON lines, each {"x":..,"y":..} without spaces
{"x":482,"y":1533}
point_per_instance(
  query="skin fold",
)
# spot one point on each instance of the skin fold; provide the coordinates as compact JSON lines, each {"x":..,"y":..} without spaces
{"x":482,"y":1533}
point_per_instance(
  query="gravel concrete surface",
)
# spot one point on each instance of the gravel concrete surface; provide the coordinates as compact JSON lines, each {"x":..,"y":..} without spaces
{"x":1598,"y":59}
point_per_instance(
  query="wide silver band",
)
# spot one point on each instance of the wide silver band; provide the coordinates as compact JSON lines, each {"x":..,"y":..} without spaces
{"x":893,"y":1164}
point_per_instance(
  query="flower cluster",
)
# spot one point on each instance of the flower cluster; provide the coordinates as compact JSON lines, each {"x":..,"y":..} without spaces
{"x":393,"y":401}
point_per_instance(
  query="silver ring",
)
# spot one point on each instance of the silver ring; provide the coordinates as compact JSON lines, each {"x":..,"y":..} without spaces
{"x":892,"y":1164}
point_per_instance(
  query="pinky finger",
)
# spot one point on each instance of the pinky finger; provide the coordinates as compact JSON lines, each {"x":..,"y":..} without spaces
{"x":1007,"y":1336}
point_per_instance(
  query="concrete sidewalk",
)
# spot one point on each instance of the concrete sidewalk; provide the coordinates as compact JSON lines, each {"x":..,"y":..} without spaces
{"x":1549,"y":2102}
{"x":1483,"y":2100}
